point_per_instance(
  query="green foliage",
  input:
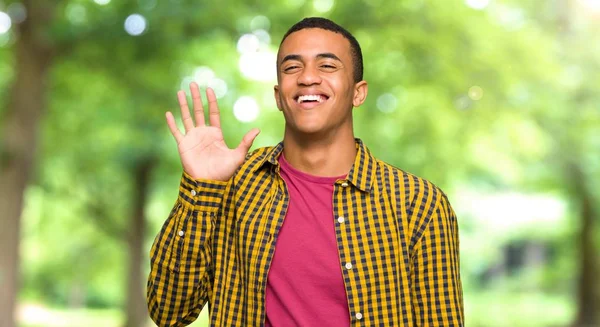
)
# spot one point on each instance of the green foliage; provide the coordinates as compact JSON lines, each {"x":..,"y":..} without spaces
{"x":489,"y":101}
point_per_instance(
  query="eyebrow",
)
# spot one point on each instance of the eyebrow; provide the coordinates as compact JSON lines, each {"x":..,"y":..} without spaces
{"x":320,"y":55}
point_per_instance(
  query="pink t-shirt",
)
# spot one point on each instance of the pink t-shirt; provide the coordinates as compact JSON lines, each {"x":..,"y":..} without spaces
{"x":305,"y":286}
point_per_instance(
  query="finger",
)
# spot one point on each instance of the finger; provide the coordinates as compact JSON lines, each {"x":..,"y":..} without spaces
{"x":213,"y":108}
{"x":197,"y":102}
{"x":173,"y":127}
{"x":247,"y":140}
{"x":185,"y":111}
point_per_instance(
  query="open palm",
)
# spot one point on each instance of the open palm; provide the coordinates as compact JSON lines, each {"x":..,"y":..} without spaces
{"x":202,"y":149}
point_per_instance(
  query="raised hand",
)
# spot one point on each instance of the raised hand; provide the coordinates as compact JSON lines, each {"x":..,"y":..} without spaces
{"x":203,"y":152}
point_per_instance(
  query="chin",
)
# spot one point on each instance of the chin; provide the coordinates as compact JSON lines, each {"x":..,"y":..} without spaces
{"x":308,"y":130}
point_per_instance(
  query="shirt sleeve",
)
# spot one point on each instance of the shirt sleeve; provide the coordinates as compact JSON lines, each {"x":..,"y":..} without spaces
{"x":180,"y":279}
{"x":436,"y":292}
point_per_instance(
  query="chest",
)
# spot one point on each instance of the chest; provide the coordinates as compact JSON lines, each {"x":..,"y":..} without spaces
{"x":365,"y":228}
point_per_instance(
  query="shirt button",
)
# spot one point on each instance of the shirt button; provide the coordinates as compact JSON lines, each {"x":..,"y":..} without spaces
{"x":358,"y":315}
{"x":344,"y":184}
{"x":180,"y":233}
{"x":348,"y":265}
{"x":340,"y":219}
{"x":193,"y":192}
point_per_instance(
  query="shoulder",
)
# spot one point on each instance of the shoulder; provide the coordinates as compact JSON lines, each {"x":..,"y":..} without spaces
{"x":409,"y":189}
{"x":258,"y":155}
{"x":254,"y":160}
{"x":416,"y":200}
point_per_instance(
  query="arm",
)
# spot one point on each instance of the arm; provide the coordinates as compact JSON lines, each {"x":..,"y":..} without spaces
{"x":181,"y":275}
{"x":180,"y":279}
{"x":436,"y":286}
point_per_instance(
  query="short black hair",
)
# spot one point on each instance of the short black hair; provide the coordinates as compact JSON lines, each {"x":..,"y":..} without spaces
{"x":328,"y":25}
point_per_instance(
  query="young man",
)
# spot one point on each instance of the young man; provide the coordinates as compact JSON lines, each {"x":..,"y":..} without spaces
{"x":314,"y":231}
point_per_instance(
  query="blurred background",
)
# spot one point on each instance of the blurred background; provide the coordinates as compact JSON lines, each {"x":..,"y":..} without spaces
{"x":495,"y":101}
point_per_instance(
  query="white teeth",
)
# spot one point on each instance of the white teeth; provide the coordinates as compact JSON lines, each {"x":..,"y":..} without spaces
{"x":311,"y":97}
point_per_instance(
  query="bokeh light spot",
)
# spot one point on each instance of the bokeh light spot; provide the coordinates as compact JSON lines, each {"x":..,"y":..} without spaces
{"x":387,"y":102}
{"x":5,"y":22}
{"x":475,"y":92}
{"x":185,"y":84}
{"x":203,"y":75}
{"x":248,"y":43}
{"x":594,"y":5}
{"x":323,"y":5}
{"x":219,"y":86}
{"x":260,"y":23}
{"x":263,"y":36}
{"x":135,"y":24}
{"x":477,"y":4}
{"x":102,"y":2}
{"x":259,"y":66}
{"x":17,"y":12}
{"x":76,"y":14}
{"x":463,"y":103}
{"x":246,"y":109}
{"x":510,"y":17}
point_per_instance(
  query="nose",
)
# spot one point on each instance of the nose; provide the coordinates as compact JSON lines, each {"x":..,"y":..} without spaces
{"x":309,"y":76}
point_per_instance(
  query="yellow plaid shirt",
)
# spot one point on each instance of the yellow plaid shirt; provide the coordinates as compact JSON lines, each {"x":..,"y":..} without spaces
{"x":399,"y":233}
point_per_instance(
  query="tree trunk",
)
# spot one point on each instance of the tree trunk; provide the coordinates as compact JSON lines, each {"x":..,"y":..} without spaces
{"x":587,"y":284}
{"x":18,"y":144}
{"x":137,"y":313}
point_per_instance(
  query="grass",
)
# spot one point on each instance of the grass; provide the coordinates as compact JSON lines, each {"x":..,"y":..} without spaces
{"x":484,"y":309}
{"x":36,"y":315}
{"x":494,"y":309}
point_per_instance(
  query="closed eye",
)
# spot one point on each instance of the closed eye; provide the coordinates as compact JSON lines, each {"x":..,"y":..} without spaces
{"x":290,"y":68}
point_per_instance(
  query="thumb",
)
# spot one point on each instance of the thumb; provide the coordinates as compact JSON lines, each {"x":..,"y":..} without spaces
{"x":247,"y":140}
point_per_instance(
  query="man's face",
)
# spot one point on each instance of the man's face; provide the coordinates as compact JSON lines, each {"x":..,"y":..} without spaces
{"x":316,"y":90}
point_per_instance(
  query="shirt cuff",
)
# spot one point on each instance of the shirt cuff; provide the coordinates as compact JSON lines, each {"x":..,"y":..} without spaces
{"x":203,"y":194}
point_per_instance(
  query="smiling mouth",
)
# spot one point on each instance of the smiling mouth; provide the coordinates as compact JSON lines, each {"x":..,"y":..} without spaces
{"x":311,"y":98}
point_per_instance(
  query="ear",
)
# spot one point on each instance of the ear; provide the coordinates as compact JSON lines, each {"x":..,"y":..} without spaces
{"x":277,"y":98}
{"x":360,"y":93}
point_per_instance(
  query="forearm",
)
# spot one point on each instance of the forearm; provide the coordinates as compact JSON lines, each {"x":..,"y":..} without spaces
{"x":180,"y":277}
{"x":436,"y":285}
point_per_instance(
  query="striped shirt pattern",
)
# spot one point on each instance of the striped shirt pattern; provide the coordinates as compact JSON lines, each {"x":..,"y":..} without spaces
{"x":397,"y":238}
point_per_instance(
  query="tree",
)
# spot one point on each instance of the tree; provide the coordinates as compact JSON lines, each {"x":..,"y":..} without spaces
{"x":34,"y":53}
{"x":446,"y":81}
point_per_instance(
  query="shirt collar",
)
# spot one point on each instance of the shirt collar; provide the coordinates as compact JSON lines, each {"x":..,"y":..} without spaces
{"x":360,"y":175}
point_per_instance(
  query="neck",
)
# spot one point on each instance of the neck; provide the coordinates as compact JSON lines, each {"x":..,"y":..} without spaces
{"x":320,"y":156}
